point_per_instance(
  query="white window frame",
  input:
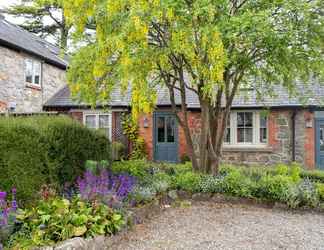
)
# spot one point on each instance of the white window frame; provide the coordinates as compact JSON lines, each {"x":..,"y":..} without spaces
{"x":256,"y":131}
{"x":97,"y":114}
{"x":33,"y":62}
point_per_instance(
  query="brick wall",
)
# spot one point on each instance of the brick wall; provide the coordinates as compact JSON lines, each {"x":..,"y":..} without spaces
{"x":3,"y":106}
{"x":279,"y":140}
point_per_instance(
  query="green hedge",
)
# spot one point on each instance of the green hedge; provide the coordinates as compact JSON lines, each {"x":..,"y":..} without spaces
{"x":40,"y":150}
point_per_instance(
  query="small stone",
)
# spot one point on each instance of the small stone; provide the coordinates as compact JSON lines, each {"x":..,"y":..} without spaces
{"x":183,"y":195}
{"x":201,"y":197}
{"x":73,"y":244}
{"x":173,"y":194}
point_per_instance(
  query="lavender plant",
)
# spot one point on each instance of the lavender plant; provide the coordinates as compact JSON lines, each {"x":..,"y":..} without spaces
{"x":7,"y":212}
{"x":105,"y":187}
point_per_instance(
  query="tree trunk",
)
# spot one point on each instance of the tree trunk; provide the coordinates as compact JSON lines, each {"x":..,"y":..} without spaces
{"x":203,"y":143}
{"x":64,"y":34}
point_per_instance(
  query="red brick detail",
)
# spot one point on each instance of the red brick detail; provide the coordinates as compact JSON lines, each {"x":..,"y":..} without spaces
{"x":3,"y":106}
{"x":77,"y":115}
{"x":147,"y":133}
{"x":273,"y":130}
{"x":194,"y":122}
{"x":309,"y":141}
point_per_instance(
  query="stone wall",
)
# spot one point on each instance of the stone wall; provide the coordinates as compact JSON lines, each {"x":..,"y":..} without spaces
{"x":279,"y":148}
{"x":13,"y":88}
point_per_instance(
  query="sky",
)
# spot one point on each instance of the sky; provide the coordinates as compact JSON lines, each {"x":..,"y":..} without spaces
{"x":7,"y":3}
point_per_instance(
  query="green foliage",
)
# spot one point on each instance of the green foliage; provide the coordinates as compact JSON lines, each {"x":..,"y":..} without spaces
{"x":118,"y":151}
{"x":96,"y":166}
{"x":24,"y":159}
{"x":320,"y":191}
{"x":58,"y":219}
{"x":138,"y":149}
{"x":304,"y":193}
{"x":188,"y":181}
{"x":130,"y":129}
{"x":315,"y":175}
{"x":271,"y":41}
{"x":238,"y":184}
{"x":161,"y":182}
{"x":143,"y":194}
{"x":185,"y":158}
{"x":275,"y":187}
{"x":38,"y":150}
{"x":211,"y":184}
{"x":137,"y":168}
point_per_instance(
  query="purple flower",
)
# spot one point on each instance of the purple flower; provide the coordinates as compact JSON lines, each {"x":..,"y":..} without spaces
{"x":105,"y":187}
{"x":3,"y":195}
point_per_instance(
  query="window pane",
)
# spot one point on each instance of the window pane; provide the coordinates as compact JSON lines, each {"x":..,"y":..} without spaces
{"x":170,"y":129}
{"x":240,"y":119}
{"x":248,"y":119}
{"x":321,"y":138}
{"x":263,"y":135}
{"x":90,"y":121}
{"x":248,"y":135}
{"x":240,"y":135}
{"x":104,"y":121}
{"x":263,"y":129}
{"x":161,"y":129}
{"x":263,"y":121}
{"x":37,"y":70}
{"x":227,"y":135}
{"x":28,"y":71}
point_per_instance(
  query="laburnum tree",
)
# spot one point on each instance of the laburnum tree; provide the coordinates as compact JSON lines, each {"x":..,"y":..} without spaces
{"x":209,"y":47}
{"x":44,"y":18}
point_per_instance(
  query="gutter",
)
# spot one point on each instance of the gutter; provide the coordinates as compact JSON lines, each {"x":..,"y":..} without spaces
{"x":293,"y":136}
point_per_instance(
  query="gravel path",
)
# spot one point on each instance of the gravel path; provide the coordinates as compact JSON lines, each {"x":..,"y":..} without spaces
{"x":225,"y":226}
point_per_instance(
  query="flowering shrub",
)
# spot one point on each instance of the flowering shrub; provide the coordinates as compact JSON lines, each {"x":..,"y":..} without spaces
{"x":7,"y":212}
{"x":107,"y":188}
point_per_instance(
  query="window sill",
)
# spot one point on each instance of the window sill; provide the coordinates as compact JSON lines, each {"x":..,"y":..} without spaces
{"x":247,"y":148}
{"x":33,"y":86}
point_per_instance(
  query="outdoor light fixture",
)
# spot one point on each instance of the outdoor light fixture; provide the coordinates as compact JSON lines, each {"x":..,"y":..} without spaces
{"x":309,"y":123}
{"x":146,"y":122}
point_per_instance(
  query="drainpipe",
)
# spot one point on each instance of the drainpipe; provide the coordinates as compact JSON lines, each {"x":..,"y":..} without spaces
{"x":293,"y":136}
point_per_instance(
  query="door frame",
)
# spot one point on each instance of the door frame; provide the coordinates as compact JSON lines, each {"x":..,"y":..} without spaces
{"x":318,"y":121}
{"x":154,"y":134}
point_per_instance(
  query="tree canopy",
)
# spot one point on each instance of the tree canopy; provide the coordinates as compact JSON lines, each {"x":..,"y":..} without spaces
{"x":211,"y":47}
{"x":44,"y":18}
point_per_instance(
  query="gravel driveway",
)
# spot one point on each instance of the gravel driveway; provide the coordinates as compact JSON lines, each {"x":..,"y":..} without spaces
{"x":226,"y":226}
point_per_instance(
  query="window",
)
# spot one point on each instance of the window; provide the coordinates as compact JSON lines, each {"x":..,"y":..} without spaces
{"x":246,"y":128}
{"x":263,"y":129}
{"x":33,"y":72}
{"x":166,"y":129}
{"x":98,"y":121}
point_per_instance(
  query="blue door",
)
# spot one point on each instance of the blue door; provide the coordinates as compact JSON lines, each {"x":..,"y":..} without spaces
{"x":165,"y":137}
{"x":319,"y":143}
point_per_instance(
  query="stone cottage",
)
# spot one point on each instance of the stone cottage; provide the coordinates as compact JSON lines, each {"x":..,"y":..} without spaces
{"x":267,"y":131}
{"x":31,"y":69}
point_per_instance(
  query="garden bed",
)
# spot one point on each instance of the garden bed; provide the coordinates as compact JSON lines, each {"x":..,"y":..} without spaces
{"x":108,"y":200}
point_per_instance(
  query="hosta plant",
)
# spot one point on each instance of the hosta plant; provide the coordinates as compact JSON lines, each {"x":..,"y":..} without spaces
{"x":59,"y":219}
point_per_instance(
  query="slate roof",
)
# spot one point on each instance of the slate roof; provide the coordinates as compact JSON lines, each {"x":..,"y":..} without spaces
{"x":312,"y":95}
{"x":17,"y":38}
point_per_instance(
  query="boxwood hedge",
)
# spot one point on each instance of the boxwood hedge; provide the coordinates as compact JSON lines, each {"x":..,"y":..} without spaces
{"x":39,"y":150}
